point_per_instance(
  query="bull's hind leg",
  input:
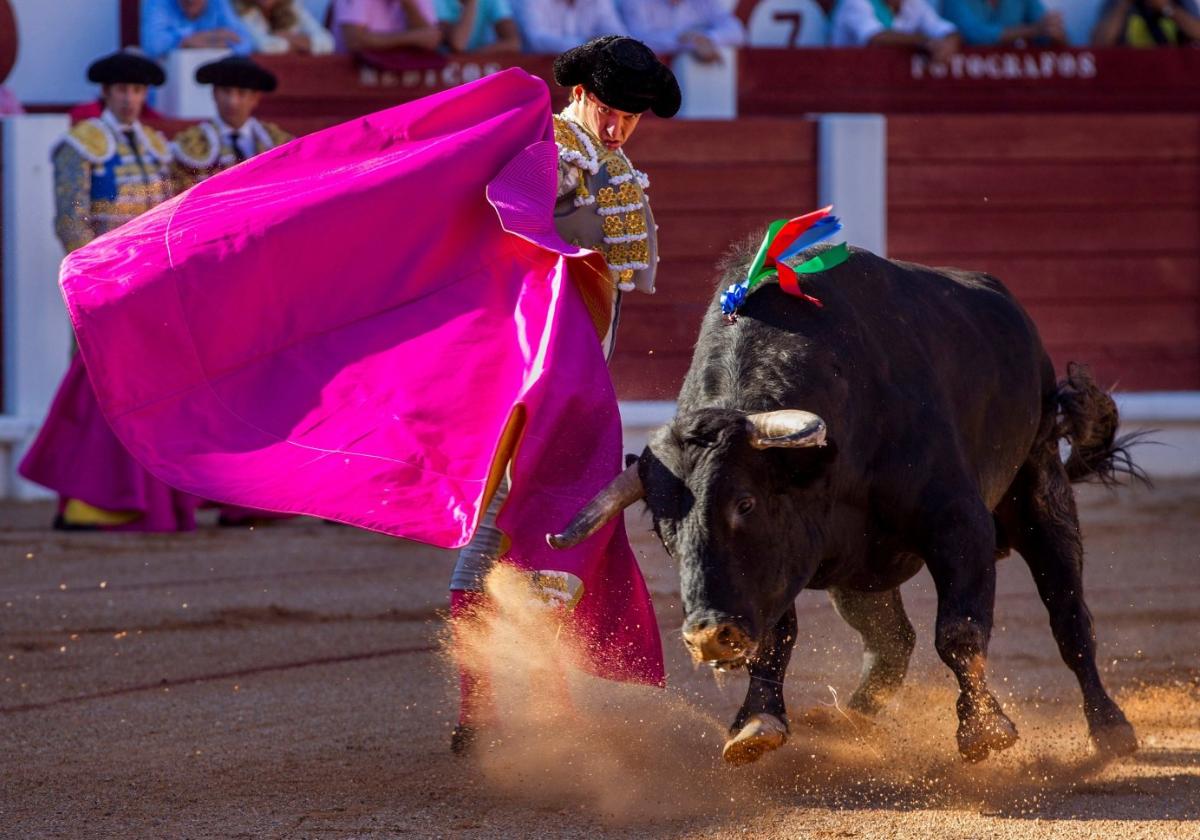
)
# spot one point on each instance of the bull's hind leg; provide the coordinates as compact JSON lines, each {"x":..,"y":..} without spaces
{"x":761,"y":724}
{"x":1040,"y":517}
{"x":961,"y":558}
{"x":888,"y":641}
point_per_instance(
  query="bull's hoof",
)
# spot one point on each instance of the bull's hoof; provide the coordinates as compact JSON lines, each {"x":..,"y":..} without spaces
{"x":984,"y":733}
{"x":761,"y":734}
{"x":1115,"y":740}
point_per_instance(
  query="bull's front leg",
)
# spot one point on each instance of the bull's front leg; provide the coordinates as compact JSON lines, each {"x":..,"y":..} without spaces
{"x":761,"y":724}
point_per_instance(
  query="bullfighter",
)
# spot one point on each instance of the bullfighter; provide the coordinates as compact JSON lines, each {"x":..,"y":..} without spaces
{"x":107,"y":171}
{"x":235,"y":134}
{"x":602,"y":205}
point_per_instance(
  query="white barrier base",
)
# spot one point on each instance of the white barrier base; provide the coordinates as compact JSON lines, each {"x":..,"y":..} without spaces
{"x":1171,"y":420}
{"x":37,"y":332}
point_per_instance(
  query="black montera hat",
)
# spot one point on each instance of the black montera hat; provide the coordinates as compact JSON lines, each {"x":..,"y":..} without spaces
{"x":623,"y":73}
{"x":125,"y":67}
{"x":236,"y":71}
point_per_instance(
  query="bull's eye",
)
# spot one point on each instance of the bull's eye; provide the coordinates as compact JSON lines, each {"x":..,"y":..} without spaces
{"x":745,"y":505}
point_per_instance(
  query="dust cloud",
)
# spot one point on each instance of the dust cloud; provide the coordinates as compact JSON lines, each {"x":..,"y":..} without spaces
{"x":634,"y":754}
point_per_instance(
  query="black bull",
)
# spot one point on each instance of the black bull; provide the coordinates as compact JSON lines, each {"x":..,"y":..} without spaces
{"x":914,"y":419}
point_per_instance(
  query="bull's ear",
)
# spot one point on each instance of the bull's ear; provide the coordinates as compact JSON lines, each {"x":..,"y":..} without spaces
{"x":789,"y":429}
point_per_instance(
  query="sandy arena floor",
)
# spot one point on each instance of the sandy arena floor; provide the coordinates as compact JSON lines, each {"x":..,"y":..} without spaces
{"x":287,"y":681}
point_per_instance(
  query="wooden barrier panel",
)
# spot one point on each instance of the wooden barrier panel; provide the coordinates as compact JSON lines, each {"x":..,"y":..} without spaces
{"x":891,"y":80}
{"x":1093,"y":222}
{"x":328,"y":89}
{"x":711,"y":184}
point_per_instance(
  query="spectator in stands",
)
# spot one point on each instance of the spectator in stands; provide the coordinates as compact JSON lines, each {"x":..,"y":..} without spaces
{"x":234,"y":135}
{"x":698,"y":27}
{"x":281,"y":26}
{"x":554,"y":26}
{"x":478,"y":26}
{"x":168,"y":25}
{"x":903,"y":23}
{"x":993,"y":22}
{"x":1148,"y":23}
{"x":381,"y":25}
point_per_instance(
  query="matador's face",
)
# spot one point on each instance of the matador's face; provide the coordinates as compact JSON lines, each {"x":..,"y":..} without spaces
{"x":125,"y":100}
{"x":614,"y":127}
{"x":236,"y":105}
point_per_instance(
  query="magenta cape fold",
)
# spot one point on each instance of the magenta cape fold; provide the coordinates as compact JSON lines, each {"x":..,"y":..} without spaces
{"x":346,"y":326}
{"x":76,"y":455}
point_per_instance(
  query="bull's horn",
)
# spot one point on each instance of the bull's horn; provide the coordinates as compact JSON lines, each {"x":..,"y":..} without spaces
{"x":788,"y":428}
{"x":620,"y":493}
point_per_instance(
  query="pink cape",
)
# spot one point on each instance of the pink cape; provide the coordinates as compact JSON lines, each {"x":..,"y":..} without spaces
{"x":77,"y":455}
{"x":345,"y":327}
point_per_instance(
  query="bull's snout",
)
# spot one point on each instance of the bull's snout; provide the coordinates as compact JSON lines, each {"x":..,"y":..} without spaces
{"x":718,"y":642}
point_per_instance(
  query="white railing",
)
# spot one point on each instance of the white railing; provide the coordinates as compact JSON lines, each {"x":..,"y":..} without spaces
{"x":37,"y":333}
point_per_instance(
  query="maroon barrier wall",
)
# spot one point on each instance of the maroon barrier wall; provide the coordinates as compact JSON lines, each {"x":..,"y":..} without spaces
{"x":1093,"y":221}
{"x":711,"y":184}
{"x":891,"y":81}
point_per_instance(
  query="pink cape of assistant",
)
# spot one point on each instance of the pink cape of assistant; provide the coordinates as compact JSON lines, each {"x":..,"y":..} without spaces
{"x":346,"y":325}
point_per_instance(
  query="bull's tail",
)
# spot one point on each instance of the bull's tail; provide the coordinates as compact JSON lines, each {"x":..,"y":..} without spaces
{"x":1087,"y":418}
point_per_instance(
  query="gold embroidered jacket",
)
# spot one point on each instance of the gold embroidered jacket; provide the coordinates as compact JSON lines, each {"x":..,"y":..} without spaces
{"x":203,"y":150}
{"x":602,"y":205}
{"x":105,"y":175}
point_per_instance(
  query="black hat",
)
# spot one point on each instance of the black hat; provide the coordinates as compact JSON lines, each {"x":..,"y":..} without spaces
{"x":125,"y":67}
{"x":238,"y":72}
{"x":623,"y":73}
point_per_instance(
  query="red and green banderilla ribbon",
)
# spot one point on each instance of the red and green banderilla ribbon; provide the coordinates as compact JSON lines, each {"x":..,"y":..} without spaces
{"x":786,"y":239}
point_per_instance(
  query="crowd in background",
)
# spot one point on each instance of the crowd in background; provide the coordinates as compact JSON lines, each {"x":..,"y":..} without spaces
{"x":698,"y":27}
{"x":354,"y":26}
